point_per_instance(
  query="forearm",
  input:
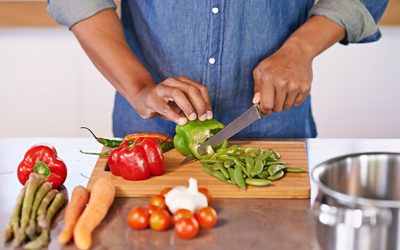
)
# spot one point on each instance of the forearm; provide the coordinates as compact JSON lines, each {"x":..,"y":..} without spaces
{"x":315,"y":36}
{"x":102,"y":38}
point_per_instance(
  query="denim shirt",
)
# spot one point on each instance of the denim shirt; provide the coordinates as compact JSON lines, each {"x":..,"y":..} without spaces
{"x":219,"y":43}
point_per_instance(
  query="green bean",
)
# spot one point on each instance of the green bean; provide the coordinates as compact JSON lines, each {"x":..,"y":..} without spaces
{"x":276,"y":154}
{"x":207,"y":168}
{"x":258,"y":168}
{"x":228,"y":164}
{"x":231,"y":175}
{"x":295,"y":170}
{"x":258,"y":182}
{"x":269,"y":163}
{"x":250,"y":150}
{"x":239,"y":178}
{"x":264,"y":156}
{"x":249,"y":163}
{"x":264,"y":174}
{"x":223,"y":170}
{"x":273,"y":169}
{"x":220,"y":176}
{"x":210,"y":161}
{"x":277,"y":176}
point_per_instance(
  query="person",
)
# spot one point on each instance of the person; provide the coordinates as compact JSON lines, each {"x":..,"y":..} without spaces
{"x":174,"y":61}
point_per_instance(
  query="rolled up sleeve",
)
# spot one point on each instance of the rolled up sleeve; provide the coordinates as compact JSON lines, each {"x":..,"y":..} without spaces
{"x":70,"y":12}
{"x":359,"y":18}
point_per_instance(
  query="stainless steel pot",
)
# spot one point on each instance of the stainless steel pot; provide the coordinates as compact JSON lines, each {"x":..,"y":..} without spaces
{"x":358,"y":202}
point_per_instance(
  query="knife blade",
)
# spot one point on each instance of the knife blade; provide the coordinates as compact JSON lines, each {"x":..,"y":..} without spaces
{"x":244,"y":120}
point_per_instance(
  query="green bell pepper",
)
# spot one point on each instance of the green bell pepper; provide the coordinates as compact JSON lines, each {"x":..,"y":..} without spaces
{"x":189,"y":136}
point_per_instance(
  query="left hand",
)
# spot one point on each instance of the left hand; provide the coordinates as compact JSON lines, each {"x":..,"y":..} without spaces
{"x":282,"y":80}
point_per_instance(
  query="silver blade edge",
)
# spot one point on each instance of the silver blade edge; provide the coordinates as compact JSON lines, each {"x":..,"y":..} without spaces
{"x":244,"y":120}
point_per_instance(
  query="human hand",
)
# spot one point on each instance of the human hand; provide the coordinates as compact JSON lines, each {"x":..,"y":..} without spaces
{"x":282,"y":80}
{"x":176,"y":99}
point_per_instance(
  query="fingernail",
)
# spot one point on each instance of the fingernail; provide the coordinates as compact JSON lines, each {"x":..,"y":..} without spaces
{"x":192,"y":116}
{"x":256,"y":98}
{"x":182,"y":121}
{"x":203,"y":117}
{"x":209,"y":115}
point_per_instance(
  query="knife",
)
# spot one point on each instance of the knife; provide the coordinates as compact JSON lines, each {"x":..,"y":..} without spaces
{"x":244,"y":120}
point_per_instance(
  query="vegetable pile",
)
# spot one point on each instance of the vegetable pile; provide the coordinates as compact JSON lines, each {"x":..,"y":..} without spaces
{"x":187,"y":209}
{"x":138,"y":157}
{"x":33,"y":213}
{"x":84,"y":214}
{"x":244,"y":166}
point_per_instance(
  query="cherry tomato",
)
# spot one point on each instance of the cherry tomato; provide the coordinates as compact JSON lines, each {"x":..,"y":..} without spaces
{"x":181,"y":213}
{"x":165,"y":191}
{"x":187,"y":228}
{"x":158,"y":201}
{"x":207,"y":217}
{"x":151,"y":209}
{"x":207,"y":193}
{"x":138,"y":218}
{"x":160,"y":220}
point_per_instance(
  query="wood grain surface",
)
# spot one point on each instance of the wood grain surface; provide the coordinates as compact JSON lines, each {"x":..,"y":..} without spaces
{"x":293,"y":185}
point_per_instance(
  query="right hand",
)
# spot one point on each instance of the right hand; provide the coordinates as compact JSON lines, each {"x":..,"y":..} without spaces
{"x":176,"y":99}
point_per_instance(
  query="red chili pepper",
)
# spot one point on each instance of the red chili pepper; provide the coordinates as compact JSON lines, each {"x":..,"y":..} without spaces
{"x":137,"y":161}
{"x":42,"y":159}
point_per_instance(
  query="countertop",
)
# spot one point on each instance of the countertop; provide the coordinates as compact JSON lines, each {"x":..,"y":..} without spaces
{"x":243,"y":224}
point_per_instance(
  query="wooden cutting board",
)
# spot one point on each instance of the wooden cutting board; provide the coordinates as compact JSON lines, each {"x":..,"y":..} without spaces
{"x":293,"y":185}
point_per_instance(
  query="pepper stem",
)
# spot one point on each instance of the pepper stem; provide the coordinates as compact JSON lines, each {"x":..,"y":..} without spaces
{"x":41,"y":168}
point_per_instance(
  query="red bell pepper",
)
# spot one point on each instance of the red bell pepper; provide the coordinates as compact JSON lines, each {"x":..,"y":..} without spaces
{"x":137,"y":161}
{"x":42,"y":159}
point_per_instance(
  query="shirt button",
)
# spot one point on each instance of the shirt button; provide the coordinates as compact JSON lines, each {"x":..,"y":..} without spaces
{"x":211,"y":60}
{"x":215,"y":10}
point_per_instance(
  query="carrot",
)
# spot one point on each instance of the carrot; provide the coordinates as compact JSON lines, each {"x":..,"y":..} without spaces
{"x":100,"y":201}
{"x":79,"y":199}
{"x":133,"y":137}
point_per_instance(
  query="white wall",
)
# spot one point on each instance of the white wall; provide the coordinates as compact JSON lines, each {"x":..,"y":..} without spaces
{"x":48,"y":87}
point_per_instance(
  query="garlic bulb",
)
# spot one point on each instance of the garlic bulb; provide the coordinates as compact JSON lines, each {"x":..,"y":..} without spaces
{"x":186,"y":197}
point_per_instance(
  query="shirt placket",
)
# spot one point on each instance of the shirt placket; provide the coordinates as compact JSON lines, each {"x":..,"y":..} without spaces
{"x":214,"y":52}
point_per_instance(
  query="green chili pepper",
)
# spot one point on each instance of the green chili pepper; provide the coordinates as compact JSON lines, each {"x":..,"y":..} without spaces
{"x":258,"y":182}
{"x":189,"y":136}
{"x":106,"y":142}
{"x":277,"y":176}
{"x":273,"y":169}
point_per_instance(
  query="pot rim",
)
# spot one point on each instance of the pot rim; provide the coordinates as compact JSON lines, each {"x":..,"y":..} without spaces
{"x":346,"y":198}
